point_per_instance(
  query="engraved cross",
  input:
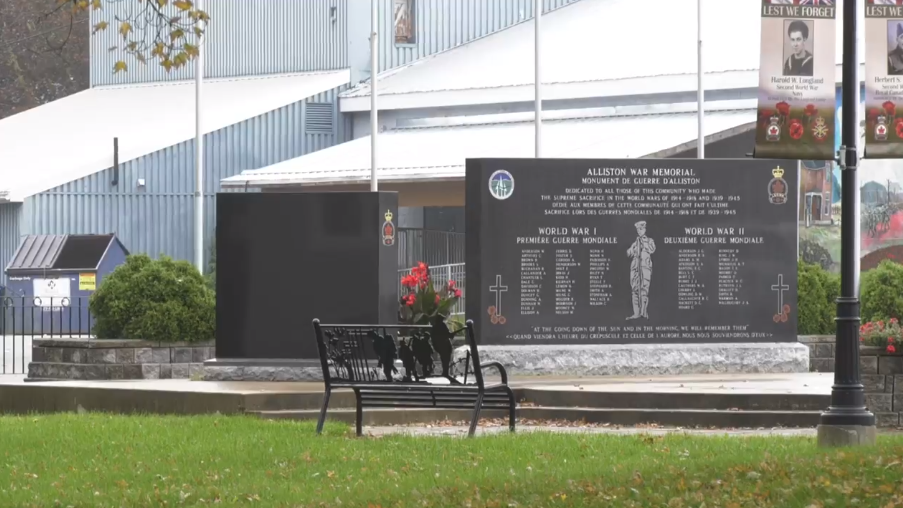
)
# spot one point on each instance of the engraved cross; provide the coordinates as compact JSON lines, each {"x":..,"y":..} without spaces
{"x":780,"y":287}
{"x":498,"y":289}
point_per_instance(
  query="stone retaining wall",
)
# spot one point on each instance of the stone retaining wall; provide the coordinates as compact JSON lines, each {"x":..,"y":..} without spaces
{"x":882,"y":376}
{"x":92,"y":359}
{"x":821,"y":352}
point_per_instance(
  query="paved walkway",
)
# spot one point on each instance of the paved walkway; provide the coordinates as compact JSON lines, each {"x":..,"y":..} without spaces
{"x":807,"y":383}
{"x":460,"y":431}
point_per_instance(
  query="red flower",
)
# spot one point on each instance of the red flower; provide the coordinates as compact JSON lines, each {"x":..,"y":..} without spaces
{"x":411,"y":300}
{"x":457,"y":293}
{"x":810,"y":110}
{"x":898,"y":128}
{"x":890,"y":108}
{"x":891,"y":349}
{"x":451,"y":284}
{"x":873,"y":113}
{"x":437,"y":299}
{"x":796,"y":129}
{"x":783,"y":108}
{"x":890,"y":340}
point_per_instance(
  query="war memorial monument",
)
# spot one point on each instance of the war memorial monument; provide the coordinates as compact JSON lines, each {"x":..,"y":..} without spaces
{"x":634,"y":267}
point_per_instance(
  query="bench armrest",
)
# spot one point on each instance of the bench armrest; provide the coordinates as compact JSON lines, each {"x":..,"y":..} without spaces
{"x":499,"y":367}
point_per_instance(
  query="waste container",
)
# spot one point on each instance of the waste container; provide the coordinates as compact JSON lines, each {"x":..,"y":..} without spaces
{"x":50,"y":279}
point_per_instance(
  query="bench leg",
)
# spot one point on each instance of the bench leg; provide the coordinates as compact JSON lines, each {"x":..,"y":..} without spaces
{"x":359,"y":414}
{"x":322,"y":418}
{"x":512,"y":406}
{"x":476,"y":416}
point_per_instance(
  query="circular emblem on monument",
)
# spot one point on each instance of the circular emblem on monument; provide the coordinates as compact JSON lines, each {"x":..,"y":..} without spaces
{"x":501,"y":184}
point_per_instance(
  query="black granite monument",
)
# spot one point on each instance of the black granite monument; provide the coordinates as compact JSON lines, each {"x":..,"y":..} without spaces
{"x":639,"y":251}
{"x":284,"y":259}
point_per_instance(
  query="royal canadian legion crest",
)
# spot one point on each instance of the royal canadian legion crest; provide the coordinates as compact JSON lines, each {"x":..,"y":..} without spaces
{"x":388,"y":230}
{"x":777,"y":187}
{"x":773,"y":131}
{"x":881,"y":128}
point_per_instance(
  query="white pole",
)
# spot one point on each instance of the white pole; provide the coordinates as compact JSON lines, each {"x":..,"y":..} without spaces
{"x":374,"y":112}
{"x":537,"y":82}
{"x":700,"y":98}
{"x":199,"y":156}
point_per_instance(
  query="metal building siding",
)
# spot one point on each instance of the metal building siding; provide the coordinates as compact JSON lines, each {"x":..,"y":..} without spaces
{"x":10,"y":233}
{"x":444,"y":24}
{"x":246,"y":37}
{"x":159,"y":218}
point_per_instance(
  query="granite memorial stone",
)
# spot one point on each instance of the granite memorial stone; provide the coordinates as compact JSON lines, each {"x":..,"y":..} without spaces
{"x":638,"y":251}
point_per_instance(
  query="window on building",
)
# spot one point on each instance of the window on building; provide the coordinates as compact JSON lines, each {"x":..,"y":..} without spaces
{"x":404,"y":22}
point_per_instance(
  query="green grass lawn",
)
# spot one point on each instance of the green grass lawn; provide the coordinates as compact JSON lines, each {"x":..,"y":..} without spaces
{"x":100,"y":460}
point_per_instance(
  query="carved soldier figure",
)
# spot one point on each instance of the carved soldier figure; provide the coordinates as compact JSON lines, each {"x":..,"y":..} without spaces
{"x":895,"y":56}
{"x":641,"y":271}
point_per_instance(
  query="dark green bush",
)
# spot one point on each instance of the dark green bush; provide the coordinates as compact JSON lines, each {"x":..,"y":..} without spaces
{"x":881,"y":290}
{"x":817,"y":299}
{"x":162,"y":300}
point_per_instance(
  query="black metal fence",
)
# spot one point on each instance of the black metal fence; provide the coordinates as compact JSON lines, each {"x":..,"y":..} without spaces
{"x":23,"y":318}
{"x":430,"y":247}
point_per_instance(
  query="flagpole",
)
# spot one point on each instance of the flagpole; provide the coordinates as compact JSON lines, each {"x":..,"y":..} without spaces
{"x":700,"y":90}
{"x":374,"y":111}
{"x":537,"y":81}
{"x":199,"y":155}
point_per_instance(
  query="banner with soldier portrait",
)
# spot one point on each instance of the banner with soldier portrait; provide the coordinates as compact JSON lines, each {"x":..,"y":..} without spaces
{"x":797,"y":80}
{"x":883,"y":79}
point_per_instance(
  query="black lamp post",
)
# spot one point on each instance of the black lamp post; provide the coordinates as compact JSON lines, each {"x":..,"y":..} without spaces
{"x":847,"y":421}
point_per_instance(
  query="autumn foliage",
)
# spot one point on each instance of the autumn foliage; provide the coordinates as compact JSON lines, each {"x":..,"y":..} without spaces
{"x":421,"y":302}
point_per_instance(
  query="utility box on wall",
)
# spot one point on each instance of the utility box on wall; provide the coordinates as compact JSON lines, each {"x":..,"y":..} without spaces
{"x":51,"y":278}
{"x":284,"y":259}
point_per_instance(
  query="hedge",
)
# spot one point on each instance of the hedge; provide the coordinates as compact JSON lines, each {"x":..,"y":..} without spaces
{"x":880,"y":291}
{"x":162,"y":300}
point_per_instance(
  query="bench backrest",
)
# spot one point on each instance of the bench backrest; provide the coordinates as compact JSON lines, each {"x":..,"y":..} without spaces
{"x":352,"y":354}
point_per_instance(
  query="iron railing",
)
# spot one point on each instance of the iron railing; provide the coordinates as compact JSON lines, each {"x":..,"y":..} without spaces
{"x":440,"y":275}
{"x":23,"y":318}
{"x":430,"y":247}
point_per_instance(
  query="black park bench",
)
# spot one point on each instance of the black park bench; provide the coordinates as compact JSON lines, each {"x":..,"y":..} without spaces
{"x":363,"y":358}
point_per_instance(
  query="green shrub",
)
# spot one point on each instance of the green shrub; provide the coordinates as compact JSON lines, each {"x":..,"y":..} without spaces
{"x":817,"y":299}
{"x":881,"y":290}
{"x":162,"y":300}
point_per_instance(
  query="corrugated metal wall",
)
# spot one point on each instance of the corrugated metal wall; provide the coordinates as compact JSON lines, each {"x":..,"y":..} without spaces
{"x":444,"y":24}
{"x":246,"y":37}
{"x":158,"y":218}
{"x":278,"y":36}
{"x":10,"y":218}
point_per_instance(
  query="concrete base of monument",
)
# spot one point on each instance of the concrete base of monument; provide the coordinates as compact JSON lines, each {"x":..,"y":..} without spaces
{"x":648,"y":359}
{"x":224,"y":369}
{"x":839,"y":436}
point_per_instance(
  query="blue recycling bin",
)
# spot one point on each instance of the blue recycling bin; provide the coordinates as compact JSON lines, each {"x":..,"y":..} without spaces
{"x":50,"y":279}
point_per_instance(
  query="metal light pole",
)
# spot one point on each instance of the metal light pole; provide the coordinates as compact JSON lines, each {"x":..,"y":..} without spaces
{"x":700,"y":90}
{"x":537,"y":79}
{"x":199,"y":156}
{"x":374,"y":71}
{"x":847,"y":421}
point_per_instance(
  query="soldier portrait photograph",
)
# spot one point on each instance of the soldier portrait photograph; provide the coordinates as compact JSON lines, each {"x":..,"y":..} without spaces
{"x":798,"y":59}
{"x":640,"y":271}
{"x":895,"y":41}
